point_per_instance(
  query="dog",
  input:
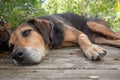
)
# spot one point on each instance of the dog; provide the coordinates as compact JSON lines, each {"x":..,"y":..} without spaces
{"x":5,"y":31}
{"x":32,"y":39}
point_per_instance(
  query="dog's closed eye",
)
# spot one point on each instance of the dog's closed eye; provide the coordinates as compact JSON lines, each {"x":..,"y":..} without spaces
{"x":26,"y":33}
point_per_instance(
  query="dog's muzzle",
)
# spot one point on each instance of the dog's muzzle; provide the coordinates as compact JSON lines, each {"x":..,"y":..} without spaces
{"x":27,"y":56}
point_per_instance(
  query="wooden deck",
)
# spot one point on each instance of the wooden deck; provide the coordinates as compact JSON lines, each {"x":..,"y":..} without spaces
{"x":64,"y":64}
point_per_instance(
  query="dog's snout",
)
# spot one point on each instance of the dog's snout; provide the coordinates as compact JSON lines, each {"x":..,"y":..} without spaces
{"x":18,"y":54}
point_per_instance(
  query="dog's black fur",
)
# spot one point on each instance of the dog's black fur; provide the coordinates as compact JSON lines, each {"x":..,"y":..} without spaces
{"x":71,"y":19}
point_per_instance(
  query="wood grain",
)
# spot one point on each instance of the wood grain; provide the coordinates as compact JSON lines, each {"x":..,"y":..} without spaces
{"x":61,"y":65}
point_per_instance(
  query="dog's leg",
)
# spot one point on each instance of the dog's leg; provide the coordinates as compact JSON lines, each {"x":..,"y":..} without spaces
{"x":102,"y":29}
{"x":101,"y":40}
{"x":92,"y":51}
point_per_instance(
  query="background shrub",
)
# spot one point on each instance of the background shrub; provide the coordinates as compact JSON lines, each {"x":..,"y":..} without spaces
{"x":16,"y":11}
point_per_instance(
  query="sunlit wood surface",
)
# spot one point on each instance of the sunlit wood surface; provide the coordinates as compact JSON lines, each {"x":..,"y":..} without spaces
{"x":64,"y":64}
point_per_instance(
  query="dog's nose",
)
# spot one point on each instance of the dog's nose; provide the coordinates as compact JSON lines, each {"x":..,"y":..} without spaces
{"x":18,"y":54}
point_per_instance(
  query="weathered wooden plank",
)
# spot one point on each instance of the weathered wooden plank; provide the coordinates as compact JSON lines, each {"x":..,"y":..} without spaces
{"x":67,"y":63}
{"x":29,"y":74}
{"x":61,"y":58}
{"x":112,"y":51}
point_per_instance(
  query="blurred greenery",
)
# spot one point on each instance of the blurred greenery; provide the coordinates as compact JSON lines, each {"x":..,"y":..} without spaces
{"x":16,"y":11}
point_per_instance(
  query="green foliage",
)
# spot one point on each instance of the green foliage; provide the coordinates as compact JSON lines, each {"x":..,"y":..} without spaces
{"x":16,"y":11}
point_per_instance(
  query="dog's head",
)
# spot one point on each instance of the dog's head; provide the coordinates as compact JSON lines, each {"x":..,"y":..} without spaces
{"x":29,"y":41}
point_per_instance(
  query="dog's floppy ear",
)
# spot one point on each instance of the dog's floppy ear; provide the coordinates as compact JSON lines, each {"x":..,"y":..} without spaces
{"x":44,"y":27}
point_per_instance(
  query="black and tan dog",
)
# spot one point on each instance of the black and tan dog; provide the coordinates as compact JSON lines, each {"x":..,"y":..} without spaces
{"x":5,"y":31}
{"x":31,"y":39}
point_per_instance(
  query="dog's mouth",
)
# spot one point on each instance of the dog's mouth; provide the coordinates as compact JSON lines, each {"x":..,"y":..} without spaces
{"x":27,"y":56}
{"x":24,"y":62}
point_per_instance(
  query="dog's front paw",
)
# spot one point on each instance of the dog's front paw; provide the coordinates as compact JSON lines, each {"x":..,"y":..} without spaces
{"x":95,"y":53}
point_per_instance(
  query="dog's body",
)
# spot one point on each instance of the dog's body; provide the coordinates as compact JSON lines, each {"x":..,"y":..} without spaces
{"x":71,"y":20}
{"x":32,"y":38}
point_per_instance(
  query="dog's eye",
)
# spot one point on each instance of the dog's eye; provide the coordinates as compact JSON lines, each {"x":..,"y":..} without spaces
{"x":26,"y":33}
